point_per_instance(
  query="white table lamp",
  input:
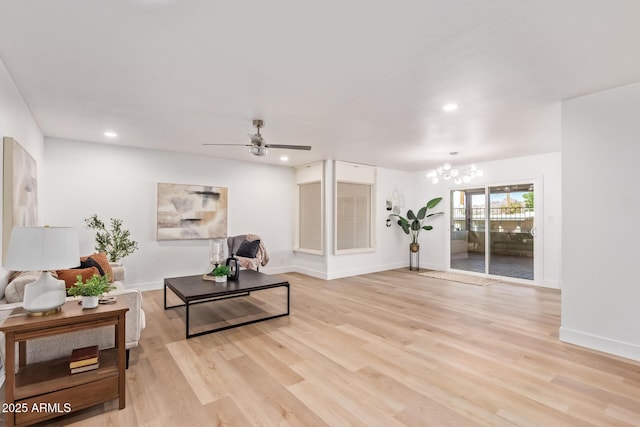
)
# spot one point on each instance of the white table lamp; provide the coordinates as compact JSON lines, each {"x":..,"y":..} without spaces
{"x":43,"y":249}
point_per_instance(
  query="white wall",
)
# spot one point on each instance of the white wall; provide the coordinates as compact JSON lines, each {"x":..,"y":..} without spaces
{"x":544,"y":169}
{"x":600,"y":152}
{"x":17,"y":122}
{"x":82,"y":178}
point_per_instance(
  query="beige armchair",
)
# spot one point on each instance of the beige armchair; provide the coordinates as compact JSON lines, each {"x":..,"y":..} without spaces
{"x":248,"y":245}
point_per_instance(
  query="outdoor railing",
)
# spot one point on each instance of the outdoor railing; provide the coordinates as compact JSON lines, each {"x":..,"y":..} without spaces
{"x":511,"y":213}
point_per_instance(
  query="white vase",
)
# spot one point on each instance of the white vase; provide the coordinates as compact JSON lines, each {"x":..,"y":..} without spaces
{"x":89,"y":302}
{"x":221,"y":279}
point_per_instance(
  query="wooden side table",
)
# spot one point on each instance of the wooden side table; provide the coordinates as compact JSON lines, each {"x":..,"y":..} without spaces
{"x":45,"y":390}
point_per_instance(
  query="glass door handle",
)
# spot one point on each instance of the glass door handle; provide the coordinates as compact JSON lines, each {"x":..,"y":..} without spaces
{"x":533,"y":232}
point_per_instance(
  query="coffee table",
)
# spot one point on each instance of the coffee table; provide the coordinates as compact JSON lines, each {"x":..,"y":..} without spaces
{"x":195,"y":290}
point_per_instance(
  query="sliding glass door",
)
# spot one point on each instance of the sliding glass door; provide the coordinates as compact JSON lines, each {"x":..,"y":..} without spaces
{"x":511,"y":231}
{"x":468,"y":209}
{"x":493,"y":230}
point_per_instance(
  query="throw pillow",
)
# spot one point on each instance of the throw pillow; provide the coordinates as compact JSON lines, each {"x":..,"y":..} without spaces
{"x":4,"y":281}
{"x":69,"y":275}
{"x":248,"y":249}
{"x":15,"y":289}
{"x":101,"y":258}
{"x":90,"y":262}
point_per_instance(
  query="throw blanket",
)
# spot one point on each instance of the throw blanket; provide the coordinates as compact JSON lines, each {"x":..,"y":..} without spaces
{"x":264,"y":259}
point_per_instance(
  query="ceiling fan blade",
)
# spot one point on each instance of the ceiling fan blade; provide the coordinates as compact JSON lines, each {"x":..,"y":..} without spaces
{"x":236,"y":145}
{"x":289,"y":147}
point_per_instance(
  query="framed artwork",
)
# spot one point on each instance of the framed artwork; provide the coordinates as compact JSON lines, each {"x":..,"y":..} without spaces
{"x":187,"y":212}
{"x":20,"y":190}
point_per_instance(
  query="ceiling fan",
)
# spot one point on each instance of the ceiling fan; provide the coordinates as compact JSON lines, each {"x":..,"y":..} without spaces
{"x":258,"y":146}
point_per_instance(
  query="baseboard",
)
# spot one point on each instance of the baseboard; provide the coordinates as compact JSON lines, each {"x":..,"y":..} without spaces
{"x":554,"y":284}
{"x":311,"y":272}
{"x":364,"y":270}
{"x":277,"y":270}
{"x":149,"y":286}
{"x":595,"y":342}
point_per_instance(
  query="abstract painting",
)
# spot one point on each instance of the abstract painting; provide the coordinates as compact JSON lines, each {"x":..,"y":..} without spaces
{"x":191,"y":212}
{"x":20,"y":191}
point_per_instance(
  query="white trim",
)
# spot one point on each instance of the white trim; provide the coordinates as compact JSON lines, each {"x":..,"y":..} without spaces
{"x":553,"y":284}
{"x":364,"y":270}
{"x":318,"y":274}
{"x":149,"y":286}
{"x":595,"y":342}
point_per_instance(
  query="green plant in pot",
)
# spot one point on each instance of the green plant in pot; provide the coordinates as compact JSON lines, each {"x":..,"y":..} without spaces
{"x":91,"y":289}
{"x":413,"y":224}
{"x":221,"y":272}
{"x":115,"y":242}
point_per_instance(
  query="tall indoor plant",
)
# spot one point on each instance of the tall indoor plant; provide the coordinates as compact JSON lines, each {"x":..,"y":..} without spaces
{"x":116,"y":242}
{"x":413,"y":224}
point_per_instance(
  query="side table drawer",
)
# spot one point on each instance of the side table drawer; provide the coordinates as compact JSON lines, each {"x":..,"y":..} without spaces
{"x":72,"y":399}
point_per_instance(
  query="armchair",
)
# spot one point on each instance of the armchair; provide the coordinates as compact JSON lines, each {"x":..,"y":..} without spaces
{"x":249,"y":249}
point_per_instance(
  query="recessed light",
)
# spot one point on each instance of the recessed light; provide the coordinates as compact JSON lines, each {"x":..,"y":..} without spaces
{"x":110,"y":134}
{"x":284,"y":158}
{"x":450,"y":107}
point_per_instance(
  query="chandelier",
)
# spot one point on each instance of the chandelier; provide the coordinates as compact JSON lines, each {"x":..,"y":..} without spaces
{"x":459,"y":176}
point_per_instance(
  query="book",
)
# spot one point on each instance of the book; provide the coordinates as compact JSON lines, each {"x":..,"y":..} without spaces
{"x":85,"y":368}
{"x":84,"y":356}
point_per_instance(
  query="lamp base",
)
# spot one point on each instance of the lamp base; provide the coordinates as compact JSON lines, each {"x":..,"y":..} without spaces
{"x":44,"y":313}
{"x":45,"y":296}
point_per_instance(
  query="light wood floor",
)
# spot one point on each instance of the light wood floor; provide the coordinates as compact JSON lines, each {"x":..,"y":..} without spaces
{"x":384,"y":349}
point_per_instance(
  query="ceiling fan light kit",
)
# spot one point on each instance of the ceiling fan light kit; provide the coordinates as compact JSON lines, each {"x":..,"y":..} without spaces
{"x":258,"y":150}
{"x":258,"y":146}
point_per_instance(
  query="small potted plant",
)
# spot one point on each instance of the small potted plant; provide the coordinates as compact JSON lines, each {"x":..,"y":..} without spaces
{"x":90,"y":290}
{"x":221,"y":272}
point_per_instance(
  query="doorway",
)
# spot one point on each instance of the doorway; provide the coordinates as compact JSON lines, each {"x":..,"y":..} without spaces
{"x":493,"y":230}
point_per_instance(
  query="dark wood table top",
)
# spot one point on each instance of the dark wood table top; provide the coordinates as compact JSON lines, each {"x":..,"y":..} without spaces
{"x":195,"y":287}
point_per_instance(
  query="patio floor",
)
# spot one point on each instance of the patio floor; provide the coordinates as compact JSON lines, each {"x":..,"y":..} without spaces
{"x":501,"y":265}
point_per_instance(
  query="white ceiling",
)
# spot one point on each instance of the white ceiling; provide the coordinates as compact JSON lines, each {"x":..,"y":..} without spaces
{"x":361,"y":81}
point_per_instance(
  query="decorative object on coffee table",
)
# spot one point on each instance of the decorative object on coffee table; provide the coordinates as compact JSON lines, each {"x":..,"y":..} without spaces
{"x":43,"y":249}
{"x":220,"y":273}
{"x":216,"y":252}
{"x":116,"y":242}
{"x":234,"y":267}
{"x":91,"y":290}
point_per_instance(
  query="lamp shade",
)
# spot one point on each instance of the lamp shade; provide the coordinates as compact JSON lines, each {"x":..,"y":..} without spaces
{"x":42,"y":248}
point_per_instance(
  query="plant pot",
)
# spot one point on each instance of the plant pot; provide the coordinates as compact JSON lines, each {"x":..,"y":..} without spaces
{"x":89,"y":302}
{"x":221,"y":279}
{"x":414,"y":247}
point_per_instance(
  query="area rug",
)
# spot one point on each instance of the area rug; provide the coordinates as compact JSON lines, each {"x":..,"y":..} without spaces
{"x":462,"y":278}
